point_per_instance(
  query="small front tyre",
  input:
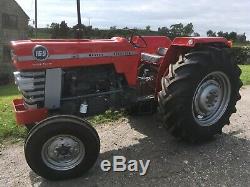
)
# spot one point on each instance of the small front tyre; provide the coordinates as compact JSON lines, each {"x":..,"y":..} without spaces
{"x":62,"y":147}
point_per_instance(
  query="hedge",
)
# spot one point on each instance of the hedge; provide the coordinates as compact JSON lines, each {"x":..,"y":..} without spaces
{"x":241,"y":55}
{"x":6,"y":75}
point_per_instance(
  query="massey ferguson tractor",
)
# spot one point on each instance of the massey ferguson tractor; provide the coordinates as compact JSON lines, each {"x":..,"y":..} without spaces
{"x":192,"y":81}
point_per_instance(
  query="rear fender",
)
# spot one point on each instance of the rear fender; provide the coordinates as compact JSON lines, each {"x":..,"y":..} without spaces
{"x":181,"y":46}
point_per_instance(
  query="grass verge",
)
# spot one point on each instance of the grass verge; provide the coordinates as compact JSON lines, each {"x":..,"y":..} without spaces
{"x":108,"y":117}
{"x":8,"y":127}
{"x":245,"y":76}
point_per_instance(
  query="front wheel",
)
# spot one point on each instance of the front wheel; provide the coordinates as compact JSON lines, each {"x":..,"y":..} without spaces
{"x":62,"y":147}
{"x":200,"y":94}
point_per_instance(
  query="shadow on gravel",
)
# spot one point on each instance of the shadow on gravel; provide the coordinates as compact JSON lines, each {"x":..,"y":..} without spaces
{"x":223,"y":161}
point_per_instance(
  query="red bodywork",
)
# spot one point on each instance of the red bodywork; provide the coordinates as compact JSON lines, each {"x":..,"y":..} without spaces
{"x":24,"y":116}
{"x":67,"y":54}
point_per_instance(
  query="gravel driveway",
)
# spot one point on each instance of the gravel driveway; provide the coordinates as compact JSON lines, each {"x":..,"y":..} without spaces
{"x":224,"y":161}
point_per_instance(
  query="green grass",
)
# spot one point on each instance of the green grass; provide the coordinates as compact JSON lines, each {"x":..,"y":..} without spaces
{"x":8,"y":127}
{"x":245,"y":76}
{"x":43,"y":35}
{"x":108,"y":117}
{"x":241,"y":44}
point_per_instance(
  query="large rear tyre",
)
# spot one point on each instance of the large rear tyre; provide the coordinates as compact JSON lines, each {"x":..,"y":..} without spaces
{"x":200,"y":93}
{"x":62,"y":147}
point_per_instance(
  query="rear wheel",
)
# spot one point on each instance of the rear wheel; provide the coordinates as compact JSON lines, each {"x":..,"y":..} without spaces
{"x":200,"y":94}
{"x":62,"y":147}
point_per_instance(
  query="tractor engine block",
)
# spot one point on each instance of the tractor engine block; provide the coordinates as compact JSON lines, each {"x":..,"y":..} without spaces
{"x":65,"y":90}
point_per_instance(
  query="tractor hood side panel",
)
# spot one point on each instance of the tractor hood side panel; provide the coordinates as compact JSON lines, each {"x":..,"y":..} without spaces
{"x":77,"y":53}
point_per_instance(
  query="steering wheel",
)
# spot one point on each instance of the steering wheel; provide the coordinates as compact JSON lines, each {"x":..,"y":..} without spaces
{"x":134,"y":34}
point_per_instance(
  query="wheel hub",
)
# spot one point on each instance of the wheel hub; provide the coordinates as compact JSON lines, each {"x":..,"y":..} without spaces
{"x":208,"y":97}
{"x":211,"y":98}
{"x":63,"y":152}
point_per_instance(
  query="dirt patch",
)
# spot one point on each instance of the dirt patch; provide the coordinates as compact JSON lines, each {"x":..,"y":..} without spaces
{"x":224,"y":161}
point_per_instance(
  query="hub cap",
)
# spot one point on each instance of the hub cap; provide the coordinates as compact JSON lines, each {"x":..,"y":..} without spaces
{"x":211,"y":98}
{"x":63,"y":152}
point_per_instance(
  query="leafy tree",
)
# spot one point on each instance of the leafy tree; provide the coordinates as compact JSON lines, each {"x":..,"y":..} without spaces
{"x":176,"y":30}
{"x":148,"y":28}
{"x":242,"y":38}
{"x":233,"y":36}
{"x":211,"y":33}
{"x":164,"y":31}
{"x":113,"y":28}
{"x":64,"y":30}
{"x":196,"y":34}
{"x":60,"y":30}
{"x":188,"y":30}
{"x":85,"y":31}
{"x":223,"y":34}
{"x":30,"y":31}
{"x":55,"y":30}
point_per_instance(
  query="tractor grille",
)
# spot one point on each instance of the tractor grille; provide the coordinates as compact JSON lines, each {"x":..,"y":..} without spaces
{"x":32,"y":86}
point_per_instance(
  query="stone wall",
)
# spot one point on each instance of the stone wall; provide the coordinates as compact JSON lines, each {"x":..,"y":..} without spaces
{"x":10,"y":7}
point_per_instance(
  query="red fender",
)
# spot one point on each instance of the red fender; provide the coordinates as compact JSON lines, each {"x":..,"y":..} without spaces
{"x":180,"y":46}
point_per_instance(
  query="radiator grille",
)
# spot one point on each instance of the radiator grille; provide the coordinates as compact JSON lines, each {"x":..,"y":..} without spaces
{"x":32,"y":86}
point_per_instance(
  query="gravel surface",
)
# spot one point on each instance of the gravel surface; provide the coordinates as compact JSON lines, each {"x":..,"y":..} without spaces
{"x":224,"y":161}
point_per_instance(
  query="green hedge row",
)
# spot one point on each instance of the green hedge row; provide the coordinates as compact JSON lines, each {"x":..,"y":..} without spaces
{"x":6,"y":75}
{"x":241,"y":55}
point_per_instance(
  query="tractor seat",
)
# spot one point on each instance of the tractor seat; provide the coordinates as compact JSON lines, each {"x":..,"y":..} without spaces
{"x":154,"y":58}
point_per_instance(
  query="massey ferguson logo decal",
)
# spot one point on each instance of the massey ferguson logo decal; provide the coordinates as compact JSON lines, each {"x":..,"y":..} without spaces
{"x":40,"y":53}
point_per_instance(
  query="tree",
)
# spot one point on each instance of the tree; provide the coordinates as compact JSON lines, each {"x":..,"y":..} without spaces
{"x":86,"y":30}
{"x":233,"y":36}
{"x":30,"y":31}
{"x":242,"y":38}
{"x":55,"y":30}
{"x":113,"y":28}
{"x":211,"y":33}
{"x":196,"y":34}
{"x":223,"y":34}
{"x":60,"y":30}
{"x":164,"y":31}
{"x":64,"y":30}
{"x":176,"y":30}
{"x":148,"y":28}
{"x":188,"y":30}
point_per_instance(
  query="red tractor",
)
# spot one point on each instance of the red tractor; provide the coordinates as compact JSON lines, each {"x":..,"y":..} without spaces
{"x":192,"y":81}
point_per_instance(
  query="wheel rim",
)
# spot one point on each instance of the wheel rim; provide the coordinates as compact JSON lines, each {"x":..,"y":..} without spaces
{"x":211,"y":98}
{"x":63,"y":152}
